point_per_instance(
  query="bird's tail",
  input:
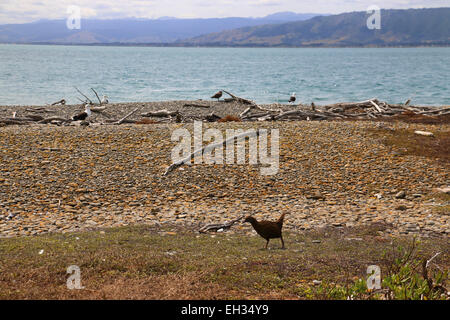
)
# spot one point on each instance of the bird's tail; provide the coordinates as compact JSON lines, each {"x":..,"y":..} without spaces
{"x":281,"y":219}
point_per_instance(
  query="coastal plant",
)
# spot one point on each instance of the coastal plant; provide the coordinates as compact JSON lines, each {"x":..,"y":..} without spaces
{"x":408,"y":277}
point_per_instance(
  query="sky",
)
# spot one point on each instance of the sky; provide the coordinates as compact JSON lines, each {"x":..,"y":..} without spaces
{"x":22,"y":11}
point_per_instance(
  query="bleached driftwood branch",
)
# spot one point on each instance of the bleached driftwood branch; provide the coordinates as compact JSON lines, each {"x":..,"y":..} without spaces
{"x":239,"y":99}
{"x":98,"y":98}
{"x":90,"y":101}
{"x":217,"y":226}
{"x":127,"y":116}
{"x":209,"y":147}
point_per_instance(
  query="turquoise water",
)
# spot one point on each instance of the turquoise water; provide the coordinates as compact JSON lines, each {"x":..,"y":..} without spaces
{"x":43,"y":74}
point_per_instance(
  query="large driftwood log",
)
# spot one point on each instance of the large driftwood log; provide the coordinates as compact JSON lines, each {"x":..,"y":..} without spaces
{"x":195,"y":105}
{"x":209,"y":147}
{"x":303,"y":114}
{"x":53,"y":119}
{"x":98,"y":109}
{"x":245,"y":112}
{"x":376,"y":106}
{"x":27,"y":119}
{"x":437,"y":110}
{"x":14,"y":122}
{"x":160,"y":113}
{"x":40,"y":109}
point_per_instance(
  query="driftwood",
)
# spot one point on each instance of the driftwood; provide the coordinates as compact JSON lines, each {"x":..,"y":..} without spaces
{"x":14,"y":122}
{"x":53,"y":119}
{"x":126,"y":117}
{"x":239,"y":99}
{"x":217,"y":226}
{"x":245,"y":112}
{"x":194,"y":105}
{"x":436,"y":111}
{"x":87,"y":98}
{"x":362,"y":110}
{"x":160,"y":114}
{"x":27,"y":119}
{"x":432,"y":286}
{"x":376,"y":106}
{"x":40,"y":109}
{"x":424,"y":133}
{"x":208,"y":147}
{"x":98,"y":98}
{"x":34,"y":117}
{"x":98,"y":109}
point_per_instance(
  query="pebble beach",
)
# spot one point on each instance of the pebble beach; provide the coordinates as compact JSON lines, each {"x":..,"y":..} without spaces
{"x":332,"y":174}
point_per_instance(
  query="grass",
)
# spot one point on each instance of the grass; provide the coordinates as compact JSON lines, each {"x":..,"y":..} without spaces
{"x":143,"y":262}
{"x":412,"y":117}
{"x":406,"y":142}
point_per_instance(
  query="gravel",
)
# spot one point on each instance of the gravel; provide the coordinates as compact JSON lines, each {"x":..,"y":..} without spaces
{"x":63,"y":179}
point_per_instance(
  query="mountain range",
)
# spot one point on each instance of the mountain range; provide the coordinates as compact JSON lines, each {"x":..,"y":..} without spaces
{"x":132,"y":31}
{"x":412,"y":27}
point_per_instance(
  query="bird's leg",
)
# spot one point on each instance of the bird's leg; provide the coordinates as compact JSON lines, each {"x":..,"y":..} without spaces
{"x":267,"y":243}
{"x":282,"y":243}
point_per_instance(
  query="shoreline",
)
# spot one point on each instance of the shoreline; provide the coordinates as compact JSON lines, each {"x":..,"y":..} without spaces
{"x":189,"y":108}
{"x":218,"y":46}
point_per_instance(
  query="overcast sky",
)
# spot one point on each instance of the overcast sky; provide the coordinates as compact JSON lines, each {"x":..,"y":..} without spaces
{"x":19,"y":11}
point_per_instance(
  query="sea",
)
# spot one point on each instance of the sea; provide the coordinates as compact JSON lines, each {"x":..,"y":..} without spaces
{"x":42,"y":74}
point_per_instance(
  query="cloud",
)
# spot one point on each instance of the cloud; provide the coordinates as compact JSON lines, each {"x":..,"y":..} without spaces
{"x":13,"y":11}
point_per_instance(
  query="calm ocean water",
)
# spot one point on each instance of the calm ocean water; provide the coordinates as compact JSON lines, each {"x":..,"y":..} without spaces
{"x":43,"y":74}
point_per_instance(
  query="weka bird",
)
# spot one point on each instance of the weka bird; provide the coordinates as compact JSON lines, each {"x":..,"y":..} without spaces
{"x":268,"y":229}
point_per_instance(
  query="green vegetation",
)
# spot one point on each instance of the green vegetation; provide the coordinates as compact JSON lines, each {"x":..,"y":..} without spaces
{"x":408,"y":278}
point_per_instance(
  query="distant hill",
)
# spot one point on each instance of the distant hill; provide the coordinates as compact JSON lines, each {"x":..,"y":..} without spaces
{"x":415,"y":27}
{"x":162,"y":30}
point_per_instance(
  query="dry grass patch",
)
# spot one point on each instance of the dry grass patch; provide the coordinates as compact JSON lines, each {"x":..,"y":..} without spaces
{"x":406,"y":142}
{"x":412,"y":117}
{"x":150,"y":263}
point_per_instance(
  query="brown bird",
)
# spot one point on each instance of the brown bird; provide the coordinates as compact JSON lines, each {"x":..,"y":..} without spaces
{"x":61,"y":102}
{"x":268,"y":229}
{"x":217,"y":95}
